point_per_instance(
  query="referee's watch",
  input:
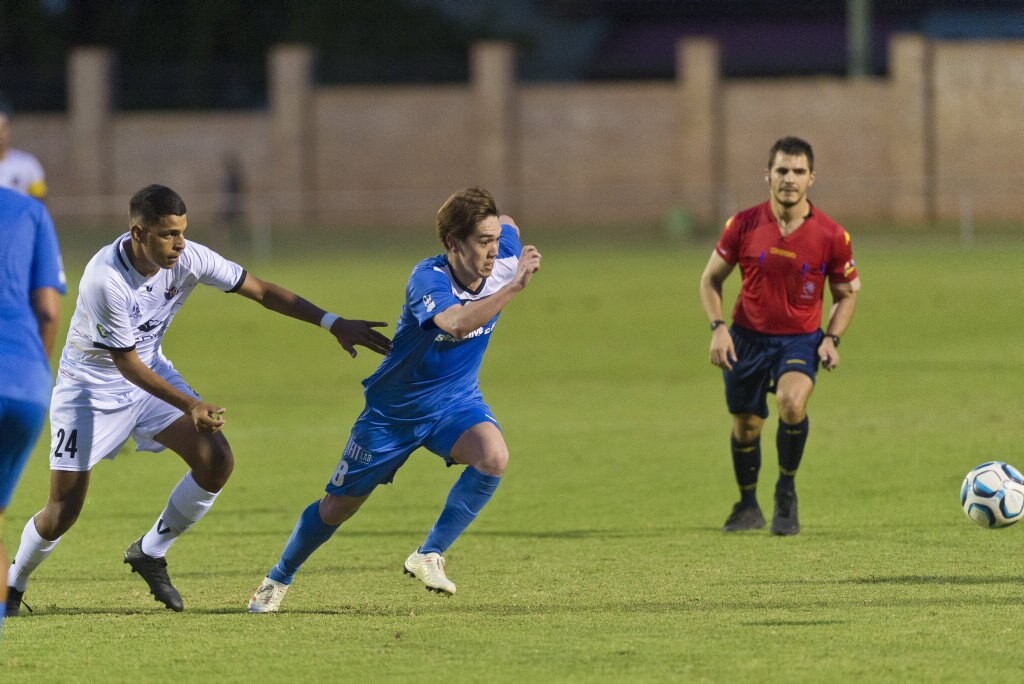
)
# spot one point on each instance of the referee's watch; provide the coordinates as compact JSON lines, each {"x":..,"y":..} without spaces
{"x":715,"y":324}
{"x":835,"y":339}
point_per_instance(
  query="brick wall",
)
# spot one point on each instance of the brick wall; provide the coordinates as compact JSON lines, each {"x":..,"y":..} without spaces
{"x":940,"y":133}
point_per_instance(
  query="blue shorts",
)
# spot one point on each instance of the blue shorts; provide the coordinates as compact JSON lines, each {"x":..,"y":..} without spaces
{"x":378,"y":447}
{"x":762,"y":360}
{"x":20,"y":423}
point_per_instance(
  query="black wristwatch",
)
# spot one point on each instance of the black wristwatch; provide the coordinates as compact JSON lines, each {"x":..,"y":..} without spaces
{"x":835,"y":339}
{"x":715,"y":324}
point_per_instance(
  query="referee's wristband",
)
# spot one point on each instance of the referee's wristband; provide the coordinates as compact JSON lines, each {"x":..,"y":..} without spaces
{"x":835,"y":339}
{"x":328,"y":320}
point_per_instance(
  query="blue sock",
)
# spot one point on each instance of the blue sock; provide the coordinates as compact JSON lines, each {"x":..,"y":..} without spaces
{"x":3,"y":610}
{"x":309,"y":534}
{"x":467,"y":497}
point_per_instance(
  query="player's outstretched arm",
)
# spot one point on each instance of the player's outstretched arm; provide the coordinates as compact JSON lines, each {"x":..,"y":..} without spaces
{"x":206,"y":417}
{"x":349,"y":333}
{"x":460,"y":320}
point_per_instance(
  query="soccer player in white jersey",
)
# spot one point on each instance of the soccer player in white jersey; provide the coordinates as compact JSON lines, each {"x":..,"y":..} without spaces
{"x":114,"y":383}
{"x":426,"y":393}
{"x":19,"y":170}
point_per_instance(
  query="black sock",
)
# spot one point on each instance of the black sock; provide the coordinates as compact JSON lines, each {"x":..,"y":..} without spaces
{"x":746,"y":463}
{"x":790,"y":441}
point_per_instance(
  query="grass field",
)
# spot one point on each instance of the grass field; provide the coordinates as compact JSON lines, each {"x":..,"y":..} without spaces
{"x":600,"y":557}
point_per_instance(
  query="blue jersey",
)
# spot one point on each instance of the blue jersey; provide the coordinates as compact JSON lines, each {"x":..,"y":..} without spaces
{"x":29,"y":259}
{"x":429,"y":370}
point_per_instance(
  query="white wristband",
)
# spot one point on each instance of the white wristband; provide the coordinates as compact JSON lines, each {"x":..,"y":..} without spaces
{"x":328,"y":320}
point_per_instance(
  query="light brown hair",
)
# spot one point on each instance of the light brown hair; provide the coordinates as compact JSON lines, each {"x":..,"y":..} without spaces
{"x":460,"y":213}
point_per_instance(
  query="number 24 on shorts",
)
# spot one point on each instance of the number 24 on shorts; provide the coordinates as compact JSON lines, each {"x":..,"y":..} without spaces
{"x":70,"y":446}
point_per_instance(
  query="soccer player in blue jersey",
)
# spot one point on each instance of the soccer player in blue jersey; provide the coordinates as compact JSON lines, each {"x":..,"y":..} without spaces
{"x":31,"y":283}
{"x":426,"y":393}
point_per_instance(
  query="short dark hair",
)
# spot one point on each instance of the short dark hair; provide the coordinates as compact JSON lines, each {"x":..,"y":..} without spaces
{"x":461,"y":213}
{"x":150,"y":204}
{"x":794,"y":146}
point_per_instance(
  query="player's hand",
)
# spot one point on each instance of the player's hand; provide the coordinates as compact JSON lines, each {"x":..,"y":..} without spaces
{"x":207,"y":417}
{"x":529,"y":263}
{"x":723,"y":352}
{"x":828,"y":354}
{"x":350,"y":333}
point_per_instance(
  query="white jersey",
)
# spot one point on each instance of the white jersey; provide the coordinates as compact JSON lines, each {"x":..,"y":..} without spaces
{"x":22,"y":172}
{"x":120,"y":309}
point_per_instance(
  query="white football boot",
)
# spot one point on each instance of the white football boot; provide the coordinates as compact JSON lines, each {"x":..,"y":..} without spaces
{"x":268,"y":596}
{"x":429,"y":569}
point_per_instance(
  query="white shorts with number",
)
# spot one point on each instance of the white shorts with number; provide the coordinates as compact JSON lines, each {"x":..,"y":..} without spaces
{"x":87,"y":426}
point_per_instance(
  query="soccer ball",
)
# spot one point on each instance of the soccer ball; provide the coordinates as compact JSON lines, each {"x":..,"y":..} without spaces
{"x":992,"y":494}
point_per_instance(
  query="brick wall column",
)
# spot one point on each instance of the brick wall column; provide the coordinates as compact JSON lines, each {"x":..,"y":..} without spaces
{"x":911,"y":130}
{"x":291,"y":178}
{"x":700,"y":145}
{"x":90,"y":98}
{"x":495,"y":121}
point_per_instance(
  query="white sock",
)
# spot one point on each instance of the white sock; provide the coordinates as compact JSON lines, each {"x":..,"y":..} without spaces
{"x":32,"y":551}
{"x":187,"y":504}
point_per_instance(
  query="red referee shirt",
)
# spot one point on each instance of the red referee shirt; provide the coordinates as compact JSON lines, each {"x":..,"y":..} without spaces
{"x":784,"y":275}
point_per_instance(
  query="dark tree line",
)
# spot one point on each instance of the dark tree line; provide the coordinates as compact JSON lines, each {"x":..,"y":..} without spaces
{"x":212,"y":53}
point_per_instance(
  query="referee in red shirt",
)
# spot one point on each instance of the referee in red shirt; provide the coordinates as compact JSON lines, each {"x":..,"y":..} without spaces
{"x":786,"y":249}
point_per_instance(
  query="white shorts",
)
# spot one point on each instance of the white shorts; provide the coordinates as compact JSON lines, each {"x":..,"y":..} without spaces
{"x":87,"y":426}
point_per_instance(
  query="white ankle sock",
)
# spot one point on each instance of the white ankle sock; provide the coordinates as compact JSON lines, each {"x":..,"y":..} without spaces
{"x":32,"y":551}
{"x":187,"y":504}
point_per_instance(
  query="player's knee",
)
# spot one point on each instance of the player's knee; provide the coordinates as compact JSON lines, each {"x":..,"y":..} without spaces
{"x":746,"y":435}
{"x":493,"y":462}
{"x":792,"y":408}
{"x":216,"y":467}
{"x":747,"y":428}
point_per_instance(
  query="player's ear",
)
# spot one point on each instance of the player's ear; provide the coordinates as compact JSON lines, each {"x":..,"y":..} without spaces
{"x":136,"y":232}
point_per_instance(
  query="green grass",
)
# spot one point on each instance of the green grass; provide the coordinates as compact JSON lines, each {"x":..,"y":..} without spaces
{"x":600,"y":556}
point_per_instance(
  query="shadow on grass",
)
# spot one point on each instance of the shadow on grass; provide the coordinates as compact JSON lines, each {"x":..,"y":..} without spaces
{"x":679,"y":606}
{"x":903,"y":580}
{"x":512,"y":534}
{"x":935,"y":579}
{"x":794,"y":623}
{"x":59,"y":611}
{"x":507,"y":534}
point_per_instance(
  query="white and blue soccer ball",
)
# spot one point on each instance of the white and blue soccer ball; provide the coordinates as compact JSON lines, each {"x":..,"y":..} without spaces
{"x":992,"y":494}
